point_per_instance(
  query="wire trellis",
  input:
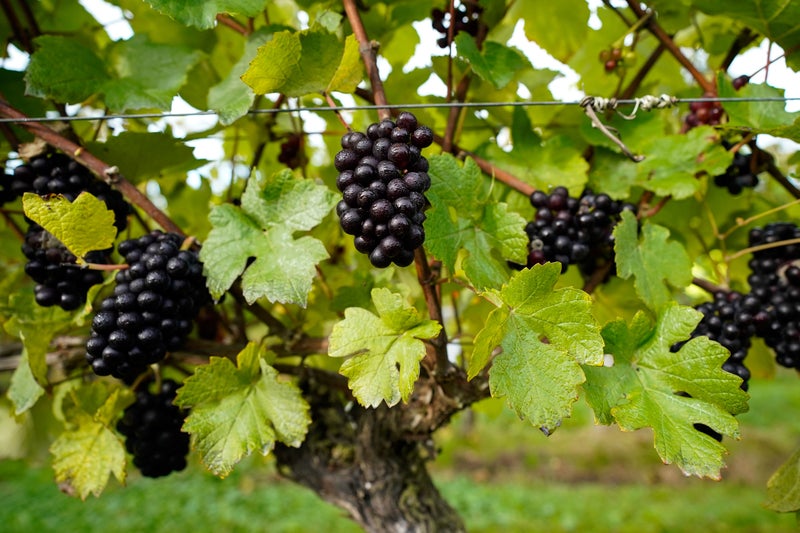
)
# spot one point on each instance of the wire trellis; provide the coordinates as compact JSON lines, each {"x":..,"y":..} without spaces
{"x":599,"y":104}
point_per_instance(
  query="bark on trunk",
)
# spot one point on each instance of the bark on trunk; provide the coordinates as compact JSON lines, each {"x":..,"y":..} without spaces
{"x":372,"y":462}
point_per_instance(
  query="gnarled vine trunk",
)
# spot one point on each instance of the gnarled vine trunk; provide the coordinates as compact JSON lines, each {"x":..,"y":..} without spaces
{"x":372,"y":462}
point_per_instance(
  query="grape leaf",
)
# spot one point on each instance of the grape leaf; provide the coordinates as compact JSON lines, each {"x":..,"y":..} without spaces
{"x":144,"y":156}
{"x":673,"y":162}
{"x":465,"y":222}
{"x":35,"y":326}
{"x":544,"y":25}
{"x":383,"y":351}
{"x":236,"y":410}
{"x":496,"y":63}
{"x":203,"y":14}
{"x":24,"y":390}
{"x":776,"y":20}
{"x":88,"y":451}
{"x":140,"y":74}
{"x":759,"y":116}
{"x":783,"y":487}
{"x":540,"y":378}
{"x":82,"y":226}
{"x":146,"y":74}
{"x":65,"y":69}
{"x":231,"y":97}
{"x":650,"y":386}
{"x":300,"y":63}
{"x":558,"y":159}
{"x":653,"y":260}
{"x":282,"y":267}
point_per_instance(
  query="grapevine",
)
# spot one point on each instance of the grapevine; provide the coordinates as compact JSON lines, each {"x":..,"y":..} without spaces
{"x":632,"y":251}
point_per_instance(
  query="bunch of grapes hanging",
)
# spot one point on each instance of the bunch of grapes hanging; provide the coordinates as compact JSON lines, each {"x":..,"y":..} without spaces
{"x":383,"y":177}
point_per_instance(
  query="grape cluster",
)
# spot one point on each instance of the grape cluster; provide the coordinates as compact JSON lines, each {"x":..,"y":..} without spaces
{"x":382,"y":177}
{"x":152,"y":308}
{"x":291,"y":153}
{"x":775,"y":281}
{"x":729,"y":320}
{"x":56,"y":173}
{"x":59,"y":280}
{"x":611,"y":59}
{"x":152,"y":430}
{"x":703,"y":113}
{"x":739,"y":174}
{"x":573,"y":230}
{"x":467,"y":19}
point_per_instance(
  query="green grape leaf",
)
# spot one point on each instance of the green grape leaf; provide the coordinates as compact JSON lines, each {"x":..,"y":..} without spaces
{"x":545,"y":336}
{"x":758,"y":116}
{"x":783,"y":487}
{"x":65,"y":69}
{"x":560,"y":40}
{"x":88,"y":451}
{"x":261,"y":230}
{"x":655,"y":261}
{"x":231,"y":97}
{"x":466,"y":223}
{"x":559,"y":159}
{"x":82,"y":226}
{"x":143,"y":156}
{"x":496,"y":63}
{"x":774,"y":19}
{"x":673,"y":162}
{"x":203,"y":14}
{"x":300,"y":63}
{"x":239,"y":409}
{"x":147,"y":74}
{"x":24,"y":390}
{"x":136,"y":74}
{"x":383,"y":352}
{"x":35,"y":326}
{"x":650,"y":386}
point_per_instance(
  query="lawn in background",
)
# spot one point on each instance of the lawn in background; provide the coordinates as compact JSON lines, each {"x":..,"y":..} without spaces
{"x":499,"y":473}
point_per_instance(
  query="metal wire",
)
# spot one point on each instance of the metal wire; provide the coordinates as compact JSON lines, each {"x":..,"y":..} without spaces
{"x":430,"y":105}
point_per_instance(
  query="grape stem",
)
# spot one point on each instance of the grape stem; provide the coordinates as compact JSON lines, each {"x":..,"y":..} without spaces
{"x":707,"y":285}
{"x":235,"y":25}
{"x":760,"y":247}
{"x":338,"y":114}
{"x":486,"y":167}
{"x":667,"y":41}
{"x":368,"y":50}
{"x":106,"y":172}
{"x":427,"y":281}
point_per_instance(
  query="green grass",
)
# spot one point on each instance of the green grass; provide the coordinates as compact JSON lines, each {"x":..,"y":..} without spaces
{"x":499,"y":473}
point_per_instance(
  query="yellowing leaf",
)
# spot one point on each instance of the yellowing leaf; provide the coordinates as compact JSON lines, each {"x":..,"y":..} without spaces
{"x":84,"y":457}
{"x":238,"y":410}
{"x":83,"y":225}
{"x":89,"y":450}
{"x":349,"y":73}
{"x":300,"y":63}
{"x":383,"y":351}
